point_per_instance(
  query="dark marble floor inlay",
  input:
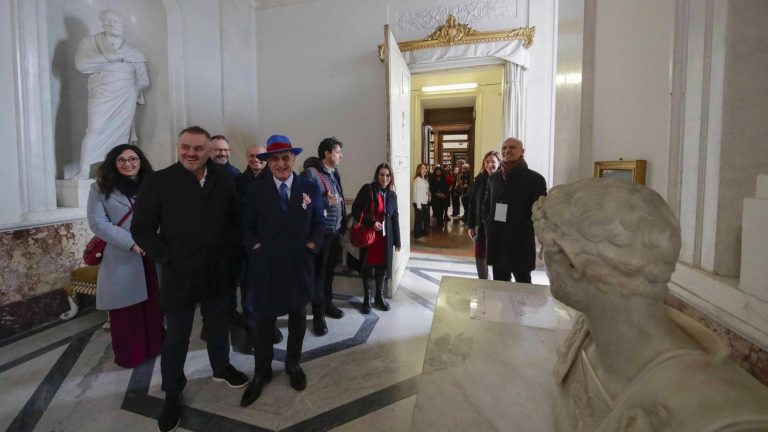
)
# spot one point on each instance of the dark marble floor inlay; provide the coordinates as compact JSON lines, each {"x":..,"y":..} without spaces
{"x":33,"y":410}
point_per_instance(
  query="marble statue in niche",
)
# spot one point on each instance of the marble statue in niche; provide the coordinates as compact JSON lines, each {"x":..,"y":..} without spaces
{"x":117,"y":74}
{"x":630,"y":363}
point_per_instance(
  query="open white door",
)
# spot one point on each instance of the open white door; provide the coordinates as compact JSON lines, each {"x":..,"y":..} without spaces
{"x":398,"y":81}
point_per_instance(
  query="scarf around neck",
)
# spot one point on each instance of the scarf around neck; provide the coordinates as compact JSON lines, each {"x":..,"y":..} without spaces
{"x":509,"y":167}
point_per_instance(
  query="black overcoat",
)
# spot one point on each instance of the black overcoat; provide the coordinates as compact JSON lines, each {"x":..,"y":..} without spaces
{"x":476,"y":198}
{"x":281,"y":271}
{"x":192,"y":232}
{"x":511,"y":244}
{"x":362,"y":204}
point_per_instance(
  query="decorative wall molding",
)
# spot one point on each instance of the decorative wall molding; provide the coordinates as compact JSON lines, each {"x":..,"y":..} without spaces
{"x":454,"y":32}
{"x":469,"y":12}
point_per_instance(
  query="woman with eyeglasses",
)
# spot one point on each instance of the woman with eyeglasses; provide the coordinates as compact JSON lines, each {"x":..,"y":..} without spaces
{"x":376,"y":202}
{"x":127,"y":285}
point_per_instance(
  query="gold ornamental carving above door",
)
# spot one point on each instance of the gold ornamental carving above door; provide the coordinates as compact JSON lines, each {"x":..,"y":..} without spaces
{"x":456,"y":33}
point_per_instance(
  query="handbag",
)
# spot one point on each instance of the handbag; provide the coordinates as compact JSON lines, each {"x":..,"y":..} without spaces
{"x":94,"y":250}
{"x":360,"y":235}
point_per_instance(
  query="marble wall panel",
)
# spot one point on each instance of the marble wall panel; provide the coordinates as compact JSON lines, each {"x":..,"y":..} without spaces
{"x":38,"y":260}
{"x":749,"y":356}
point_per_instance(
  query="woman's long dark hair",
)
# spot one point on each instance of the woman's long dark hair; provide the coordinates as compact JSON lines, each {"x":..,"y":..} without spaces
{"x":391,"y":185}
{"x":108,"y":177}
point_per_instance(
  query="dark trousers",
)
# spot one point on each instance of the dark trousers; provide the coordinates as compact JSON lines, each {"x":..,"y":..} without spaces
{"x":421,"y":220}
{"x":262,"y":340}
{"x":218,"y":314}
{"x":502,"y":274}
{"x":439,"y":212}
{"x":325,"y":264}
{"x":465,"y":205}
{"x":455,"y":202}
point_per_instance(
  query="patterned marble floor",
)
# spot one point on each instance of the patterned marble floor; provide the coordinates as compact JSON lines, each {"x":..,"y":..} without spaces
{"x":362,"y":376}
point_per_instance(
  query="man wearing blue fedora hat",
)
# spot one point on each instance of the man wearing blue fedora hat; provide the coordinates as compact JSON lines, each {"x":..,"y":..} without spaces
{"x":283,"y":227}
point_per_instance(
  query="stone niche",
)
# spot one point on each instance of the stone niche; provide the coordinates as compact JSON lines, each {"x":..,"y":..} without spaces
{"x":68,"y":22}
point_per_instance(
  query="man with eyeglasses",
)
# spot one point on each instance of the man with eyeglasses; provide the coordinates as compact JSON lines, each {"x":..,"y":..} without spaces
{"x":283,"y":227}
{"x":220,"y":154}
{"x":187,"y":219}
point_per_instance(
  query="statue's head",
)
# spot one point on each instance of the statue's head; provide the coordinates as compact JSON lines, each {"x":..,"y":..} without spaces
{"x":112,"y":22}
{"x":622,"y":237}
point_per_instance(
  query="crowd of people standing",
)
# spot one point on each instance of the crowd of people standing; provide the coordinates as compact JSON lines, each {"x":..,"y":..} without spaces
{"x":188,"y":235}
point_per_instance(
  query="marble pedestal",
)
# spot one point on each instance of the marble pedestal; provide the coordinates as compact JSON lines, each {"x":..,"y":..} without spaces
{"x":493,"y":373}
{"x":72,"y":193}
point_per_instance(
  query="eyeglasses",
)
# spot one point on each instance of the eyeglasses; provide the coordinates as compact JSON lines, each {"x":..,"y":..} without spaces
{"x":131,"y":160}
{"x":221,"y":150}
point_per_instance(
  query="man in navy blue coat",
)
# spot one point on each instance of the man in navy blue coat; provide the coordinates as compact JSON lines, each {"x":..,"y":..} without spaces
{"x":283,"y":227}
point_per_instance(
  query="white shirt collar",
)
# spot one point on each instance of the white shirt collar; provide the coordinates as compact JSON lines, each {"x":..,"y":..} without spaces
{"x":205,"y":174}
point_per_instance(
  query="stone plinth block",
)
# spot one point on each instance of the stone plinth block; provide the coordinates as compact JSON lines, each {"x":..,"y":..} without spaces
{"x":72,"y":193}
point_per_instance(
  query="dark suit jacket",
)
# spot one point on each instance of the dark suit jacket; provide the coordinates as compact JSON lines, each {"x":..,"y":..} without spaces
{"x":281,"y":272}
{"x":511,"y":244}
{"x":192,"y":232}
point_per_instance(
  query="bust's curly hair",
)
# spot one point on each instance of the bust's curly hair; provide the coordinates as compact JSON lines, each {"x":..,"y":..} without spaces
{"x":622,"y":236}
{"x":107,"y":176}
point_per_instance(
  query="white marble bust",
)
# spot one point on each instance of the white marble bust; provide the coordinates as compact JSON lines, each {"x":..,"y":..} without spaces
{"x":117,"y":74}
{"x":630,"y":363}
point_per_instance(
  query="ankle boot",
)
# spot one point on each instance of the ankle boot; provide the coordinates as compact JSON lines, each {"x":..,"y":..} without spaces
{"x":318,"y":320}
{"x":379,"y":301}
{"x":366,"y":309}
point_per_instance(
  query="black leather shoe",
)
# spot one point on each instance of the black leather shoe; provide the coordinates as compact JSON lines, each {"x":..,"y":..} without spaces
{"x":380,"y":303}
{"x":170,"y":417}
{"x":253,"y":391}
{"x":277,"y":336}
{"x":297,"y":377}
{"x":319,"y":327}
{"x":331,"y":311}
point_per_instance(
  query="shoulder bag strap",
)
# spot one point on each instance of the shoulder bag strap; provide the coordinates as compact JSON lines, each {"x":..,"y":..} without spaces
{"x":322,"y":178}
{"x":130,"y":210}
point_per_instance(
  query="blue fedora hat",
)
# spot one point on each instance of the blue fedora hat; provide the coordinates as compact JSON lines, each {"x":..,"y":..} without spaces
{"x":278,"y":144}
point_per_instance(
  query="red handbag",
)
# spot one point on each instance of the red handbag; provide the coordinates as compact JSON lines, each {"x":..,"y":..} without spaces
{"x":94,"y":250}
{"x":360,"y":235}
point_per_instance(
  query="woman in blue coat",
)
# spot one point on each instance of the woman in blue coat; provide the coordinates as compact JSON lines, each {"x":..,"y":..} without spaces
{"x":127,"y":284}
{"x":377,"y":202}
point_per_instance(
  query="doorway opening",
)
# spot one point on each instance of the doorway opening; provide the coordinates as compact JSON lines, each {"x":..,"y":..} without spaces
{"x":451,"y":126}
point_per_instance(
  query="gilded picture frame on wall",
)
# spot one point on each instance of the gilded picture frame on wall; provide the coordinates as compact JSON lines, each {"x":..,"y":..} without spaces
{"x":631,"y":170}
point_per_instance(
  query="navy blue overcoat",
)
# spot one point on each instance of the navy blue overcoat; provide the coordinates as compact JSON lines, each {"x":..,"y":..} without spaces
{"x":281,"y":271}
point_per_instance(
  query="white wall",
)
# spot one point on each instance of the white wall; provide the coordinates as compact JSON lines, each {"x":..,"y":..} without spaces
{"x":633,"y":51}
{"x":319,"y":75}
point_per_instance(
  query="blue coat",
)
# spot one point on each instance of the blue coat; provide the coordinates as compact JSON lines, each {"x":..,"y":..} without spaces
{"x":281,"y":272}
{"x":121,"y":280}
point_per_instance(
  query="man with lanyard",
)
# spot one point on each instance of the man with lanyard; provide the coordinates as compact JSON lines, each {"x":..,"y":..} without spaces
{"x":511,"y":192}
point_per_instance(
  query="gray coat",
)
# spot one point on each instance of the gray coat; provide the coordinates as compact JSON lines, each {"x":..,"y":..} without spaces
{"x":121,"y":279}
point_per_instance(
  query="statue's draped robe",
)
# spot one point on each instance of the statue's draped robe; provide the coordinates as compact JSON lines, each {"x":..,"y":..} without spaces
{"x":684,"y":390}
{"x":116,"y":78}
